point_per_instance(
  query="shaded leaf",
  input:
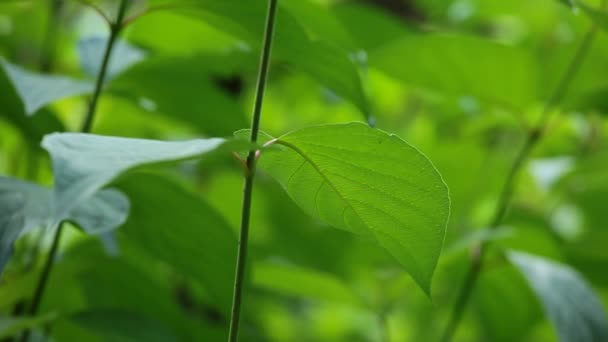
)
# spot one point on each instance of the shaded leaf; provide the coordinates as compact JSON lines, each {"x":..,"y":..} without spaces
{"x":121,"y":326}
{"x":181,"y":229}
{"x":368,"y":182}
{"x":214,"y":112}
{"x":570,"y":304}
{"x":502,"y":293}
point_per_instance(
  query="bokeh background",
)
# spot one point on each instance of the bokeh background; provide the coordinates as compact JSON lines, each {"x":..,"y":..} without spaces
{"x":461,"y":80}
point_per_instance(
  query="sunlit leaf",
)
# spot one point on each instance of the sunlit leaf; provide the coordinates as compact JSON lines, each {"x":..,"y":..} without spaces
{"x":368,"y":182}
{"x":570,"y":304}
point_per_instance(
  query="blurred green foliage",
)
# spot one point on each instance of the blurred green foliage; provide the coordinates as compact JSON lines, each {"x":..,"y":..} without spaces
{"x":463,"y":81}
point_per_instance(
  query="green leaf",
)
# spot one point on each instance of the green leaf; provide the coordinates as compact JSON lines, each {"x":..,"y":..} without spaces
{"x":331,"y":67}
{"x":387,"y":28}
{"x":369,"y":182}
{"x":462,"y":66}
{"x":319,"y":22}
{"x":570,"y":304}
{"x":25,"y":206}
{"x":38,"y":90}
{"x":215,"y":113}
{"x":124,"y":56}
{"x":301,"y":282}
{"x":85,"y":163}
{"x":13,"y":326}
{"x":121,"y":326}
{"x":181,"y":229}
{"x":325,"y":63}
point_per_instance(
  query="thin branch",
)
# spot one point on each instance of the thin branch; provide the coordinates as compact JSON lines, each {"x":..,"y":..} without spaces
{"x":251,"y":163}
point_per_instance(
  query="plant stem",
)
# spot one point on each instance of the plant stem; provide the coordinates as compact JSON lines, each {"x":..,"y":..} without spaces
{"x":250,"y":173}
{"x":115,"y":29}
{"x":533,"y":137}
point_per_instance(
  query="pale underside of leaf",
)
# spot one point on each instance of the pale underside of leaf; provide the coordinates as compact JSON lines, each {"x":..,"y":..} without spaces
{"x":26,"y":206}
{"x":570,"y":304}
{"x":124,"y":55}
{"x":85,"y":163}
{"x":38,"y":90}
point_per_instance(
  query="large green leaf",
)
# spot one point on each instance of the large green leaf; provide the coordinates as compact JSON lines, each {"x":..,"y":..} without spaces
{"x":38,"y":90}
{"x":368,"y":182}
{"x":570,"y":304}
{"x":461,"y":65}
{"x":25,"y":206}
{"x":181,"y":229}
{"x":85,"y":163}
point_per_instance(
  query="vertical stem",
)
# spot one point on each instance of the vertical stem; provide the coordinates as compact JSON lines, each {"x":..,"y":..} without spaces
{"x":249,"y":174}
{"x":504,"y":200}
{"x":115,"y":29}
